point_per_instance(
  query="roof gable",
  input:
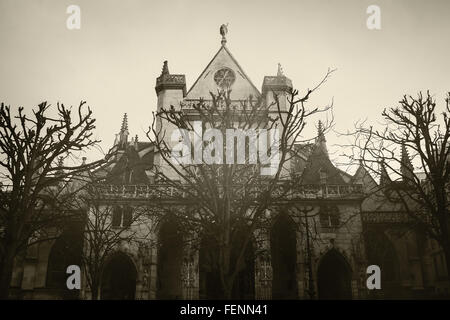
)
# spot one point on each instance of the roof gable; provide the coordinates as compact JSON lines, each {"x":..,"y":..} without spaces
{"x":241,"y":89}
{"x":319,"y":162}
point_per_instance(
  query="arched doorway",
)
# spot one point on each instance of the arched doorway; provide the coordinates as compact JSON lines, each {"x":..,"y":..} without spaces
{"x":381,"y":252}
{"x":334,"y":277}
{"x":170,"y":258}
{"x":283,"y":245}
{"x":119,"y":278}
{"x":66,"y":251}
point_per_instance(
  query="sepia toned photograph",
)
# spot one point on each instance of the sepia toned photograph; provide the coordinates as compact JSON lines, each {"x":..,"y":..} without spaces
{"x":205,"y":151}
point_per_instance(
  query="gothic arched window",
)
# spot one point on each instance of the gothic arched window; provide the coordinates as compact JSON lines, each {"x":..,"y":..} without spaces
{"x":122,"y":216}
{"x":329,"y":216}
{"x":116,"y":217}
{"x":127,"y":216}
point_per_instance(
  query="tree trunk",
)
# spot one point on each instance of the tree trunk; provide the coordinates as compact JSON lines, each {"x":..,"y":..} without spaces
{"x":447,"y":260}
{"x":6,"y":270}
{"x":94,"y":291}
{"x":445,"y":239}
{"x":227,"y":288}
{"x":446,"y":248}
{"x":228,"y":292}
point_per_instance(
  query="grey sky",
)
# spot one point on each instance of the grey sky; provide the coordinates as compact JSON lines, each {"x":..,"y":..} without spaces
{"x":112,"y":62}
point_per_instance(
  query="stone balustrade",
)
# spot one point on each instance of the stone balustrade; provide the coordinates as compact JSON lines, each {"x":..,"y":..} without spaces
{"x":284,"y":192}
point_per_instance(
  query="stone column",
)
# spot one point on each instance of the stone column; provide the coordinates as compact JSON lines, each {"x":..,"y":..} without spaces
{"x":263,"y":266}
{"x":189,"y":275}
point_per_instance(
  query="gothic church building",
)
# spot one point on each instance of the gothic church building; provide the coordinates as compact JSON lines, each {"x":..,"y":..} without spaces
{"x":284,"y":262}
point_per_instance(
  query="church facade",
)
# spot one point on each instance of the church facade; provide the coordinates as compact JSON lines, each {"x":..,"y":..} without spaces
{"x":321,"y":253}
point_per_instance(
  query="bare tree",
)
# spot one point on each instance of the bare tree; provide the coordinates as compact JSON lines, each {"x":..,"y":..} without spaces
{"x":37,"y":185}
{"x":414,"y":147}
{"x":228,"y":200}
{"x":106,"y":228}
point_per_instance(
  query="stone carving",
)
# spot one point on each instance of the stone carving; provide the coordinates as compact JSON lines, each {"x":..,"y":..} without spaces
{"x":223,"y":33}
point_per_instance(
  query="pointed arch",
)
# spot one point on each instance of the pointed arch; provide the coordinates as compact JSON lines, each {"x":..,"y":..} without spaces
{"x":283,"y":246}
{"x":381,"y":252}
{"x":334,"y":276}
{"x":119,"y":278}
{"x":65,"y":251}
{"x":170,"y":259}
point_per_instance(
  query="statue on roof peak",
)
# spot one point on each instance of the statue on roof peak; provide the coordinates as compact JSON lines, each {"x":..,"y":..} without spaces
{"x":223,"y":33}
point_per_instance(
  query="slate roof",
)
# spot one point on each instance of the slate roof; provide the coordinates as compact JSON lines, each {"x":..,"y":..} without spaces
{"x":130,"y":166}
{"x":318,"y":161}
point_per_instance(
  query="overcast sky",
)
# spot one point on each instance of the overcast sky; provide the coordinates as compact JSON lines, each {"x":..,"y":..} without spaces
{"x":114,"y":59}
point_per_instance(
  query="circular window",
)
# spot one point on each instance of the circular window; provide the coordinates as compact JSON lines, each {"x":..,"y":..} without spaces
{"x":224,"y":78}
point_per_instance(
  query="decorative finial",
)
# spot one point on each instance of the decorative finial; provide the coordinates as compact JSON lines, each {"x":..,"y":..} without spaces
{"x":122,"y":137}
{"x":124,"y":123}
{"x":384,"y":176}
{"x":223,"y":32}
{"x":60,"y":170}
{"x":165,"y":69}
{"x":406,"y":167}
{"x":320,"y":132}
{"x":405,"y":155}
{"x":280,"y":71}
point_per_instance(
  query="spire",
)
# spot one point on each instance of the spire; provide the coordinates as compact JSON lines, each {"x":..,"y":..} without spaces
{"x":123,"y":134}
{"x":384,"y":177}
{"x":136,"y":142}
{"x":320,"y":132}
{"x":60,"y":165}
{"x":124,"y":123}
{"x":320,"y":140}
{"x":406,"y":166}
{"x":61,"y":162}
{"x":223,"y":32}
